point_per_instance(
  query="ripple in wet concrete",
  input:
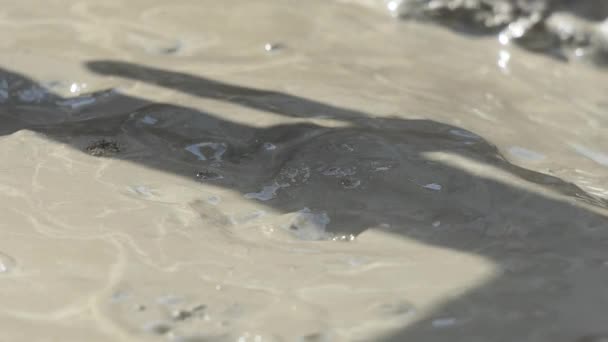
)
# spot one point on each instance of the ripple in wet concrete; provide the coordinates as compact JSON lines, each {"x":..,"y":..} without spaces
{"x":444,"y":322}
{"x":526,"y":154}
{"x":308,"y":225}
{"x":149,"y":120}
{"x":141,"y":190}
{"x":208,"y":150}
{"x":269,"y":146}
{"x":596,"y":156}
{"x":433,"y":186}
{"x":77,"y":102}
{"x":389,"y":165}
{"x":33,"y":94}
{"x":267,"y":193}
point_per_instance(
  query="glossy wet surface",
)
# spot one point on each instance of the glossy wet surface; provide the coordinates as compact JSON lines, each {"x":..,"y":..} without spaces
{"x":289,"y":171}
